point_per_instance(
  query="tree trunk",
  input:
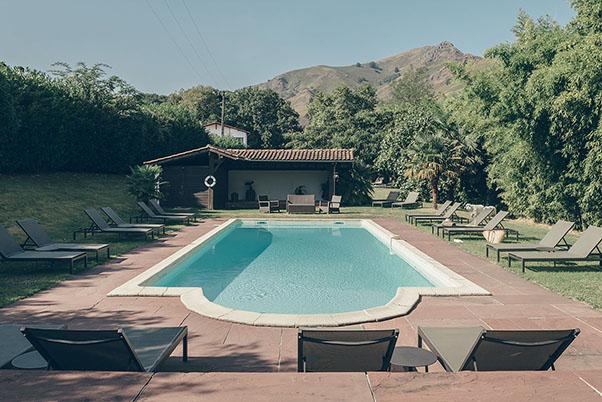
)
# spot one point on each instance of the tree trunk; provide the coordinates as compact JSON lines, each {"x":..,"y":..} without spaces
{"x":435,"y":191}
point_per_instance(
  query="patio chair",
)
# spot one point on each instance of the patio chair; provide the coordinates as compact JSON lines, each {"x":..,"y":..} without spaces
{"x":155,"y":204}
{"x":11,"y":251}
{"x":332,"y":206}
{"x":551,"y":240}
{"x":345,"y":349}
{"x":411,"y":201}
{"x":99,"y":225}
{"x":391,"y":198}
{"x":119,"y":222}
{"x":40,"y":241}
{"x":438,"y":212}
{"x":301,"y":204}
{"x":479,"y":349}
{"x":450,"y":213}
{"x":266,"y":205}
{"x":148,"y":214}
{"x":477,"y":221}
{"x":124,"y":349}
{"x":582,"y":250}
{"x":494,"y":224}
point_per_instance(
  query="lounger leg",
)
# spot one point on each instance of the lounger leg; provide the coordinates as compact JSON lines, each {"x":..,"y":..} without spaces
{"x":498,"y":256}
{"x":522,"y":262}
{"x":97,"y":256}
{"x":486,"y":251}
{"x":185,"y":348}
{"x":108,"y":253}
{"x":509,"y":261}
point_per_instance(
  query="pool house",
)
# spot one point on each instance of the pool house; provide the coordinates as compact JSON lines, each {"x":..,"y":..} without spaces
{"x":217,"y":178}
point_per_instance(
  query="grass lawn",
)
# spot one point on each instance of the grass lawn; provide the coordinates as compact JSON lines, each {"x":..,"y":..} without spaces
{"x":57,"y":201}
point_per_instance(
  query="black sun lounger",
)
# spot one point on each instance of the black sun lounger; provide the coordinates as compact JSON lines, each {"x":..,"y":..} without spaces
{"x":450,"y":213}
{"x":550,"y":241}
{"x":155,"y":204}
{"x":11,"y":251}
{"x":494,"y":224}
{"x":391,"y":198}
{"x":476,"y":222}
{"x":345,"y":349}
{"x":438,"y":212}
{"x":479,"y":349}
{"x":149,"y":214}
{"x":99,"y":225}
{"x":411,"y":201}
{"x":125,"y":349}
{"x":582,"y":250}
{"x":40,"y":241}
{"x":121,"y":223}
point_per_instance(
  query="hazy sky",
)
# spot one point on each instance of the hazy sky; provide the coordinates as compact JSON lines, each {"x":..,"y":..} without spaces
{"x":237,"y":43}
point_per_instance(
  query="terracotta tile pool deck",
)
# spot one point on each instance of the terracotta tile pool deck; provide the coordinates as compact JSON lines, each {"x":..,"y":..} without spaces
{"x":239,"y":362}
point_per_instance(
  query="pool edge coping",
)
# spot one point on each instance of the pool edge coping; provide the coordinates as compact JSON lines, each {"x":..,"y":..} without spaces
{"x":401,"y":304}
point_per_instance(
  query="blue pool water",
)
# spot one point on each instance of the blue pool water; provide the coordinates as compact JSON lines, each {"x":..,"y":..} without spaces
{"x":293,"y":268}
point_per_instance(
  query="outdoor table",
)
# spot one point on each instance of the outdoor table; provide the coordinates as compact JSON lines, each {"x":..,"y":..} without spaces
{"x":408,"y":358}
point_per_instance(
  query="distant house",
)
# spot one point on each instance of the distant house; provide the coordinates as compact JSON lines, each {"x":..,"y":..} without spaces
{"x":242,"y":174}
{"x":215,"y":128}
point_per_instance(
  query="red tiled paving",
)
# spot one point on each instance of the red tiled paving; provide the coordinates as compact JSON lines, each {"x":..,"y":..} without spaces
{"x":225,"y":348}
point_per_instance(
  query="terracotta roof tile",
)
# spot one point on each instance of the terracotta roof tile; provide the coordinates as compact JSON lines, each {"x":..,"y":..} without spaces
{"x":267,"y":155}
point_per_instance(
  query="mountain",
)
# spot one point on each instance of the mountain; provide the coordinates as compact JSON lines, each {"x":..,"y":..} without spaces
{"x":297,"y":86}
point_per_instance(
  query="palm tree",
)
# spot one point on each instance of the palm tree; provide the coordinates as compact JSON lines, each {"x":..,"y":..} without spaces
{"x":435,"y":155}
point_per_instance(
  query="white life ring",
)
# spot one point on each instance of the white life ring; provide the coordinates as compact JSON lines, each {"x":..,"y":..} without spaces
{"x":210,"y":181}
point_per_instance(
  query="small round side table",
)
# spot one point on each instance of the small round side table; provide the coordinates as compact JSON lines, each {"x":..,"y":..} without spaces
{"x":408,"y":358}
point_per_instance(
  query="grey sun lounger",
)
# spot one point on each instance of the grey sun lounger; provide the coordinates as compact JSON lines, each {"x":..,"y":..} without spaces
{"x":155,"y":204}
{"x":149,"y":214}
{"x":39,"y":240}
{"x":450,"y":213}
{"x":391,"y":198}
{"x":493,"y":224}
{"x":345,"y":349}
{"x":551,"y":240}
{"x":120,"y":223}
{"x":99,"y":225}
{"x":477,"y":221}
{"x":479,"y":349}
{"x":582,"y":250}
{"x":411,"y":201}
{"x":11,"y":251}
{"x":438,"y":212}
{"x":125,"y":349}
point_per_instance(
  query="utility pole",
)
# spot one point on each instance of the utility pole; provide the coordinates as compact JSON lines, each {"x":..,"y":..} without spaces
{"x":223,"y":110}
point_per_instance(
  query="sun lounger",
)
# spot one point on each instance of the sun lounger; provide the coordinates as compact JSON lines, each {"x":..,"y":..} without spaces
{"x":125,"y":349}
{"x":550,"y":241}
{"x":150,"y":215}
{"x":300,"y":204}
{"x":268,"y":206}
{"x":479,"y":349}
{"x":450,"y":213}
{"x":332,"y":206}
{"x":11,"y":251}
{"x":345,"y":349}
{"x":494,"y":224}
{"x":477,"y":221}
{"x":155,"y":204}
{"x":391,"y":198}
{"x":121,"y":223}
{"x":411,"y":201}
{"x":582,"y":250}
{"x":39,"y":240}
{"x":438,"y":212}
{"x":99,"y":225}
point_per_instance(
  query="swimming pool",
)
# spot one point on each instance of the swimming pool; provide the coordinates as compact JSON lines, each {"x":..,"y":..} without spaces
{"x":294,"y":267}
{"x":299,"y":272}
